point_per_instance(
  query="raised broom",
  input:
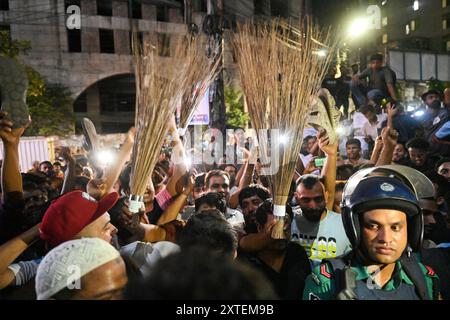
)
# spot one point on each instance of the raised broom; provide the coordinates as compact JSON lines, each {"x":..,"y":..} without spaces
{"x":160,"y":85}
{"x":280,"y":70}
{"x":200,"y":76}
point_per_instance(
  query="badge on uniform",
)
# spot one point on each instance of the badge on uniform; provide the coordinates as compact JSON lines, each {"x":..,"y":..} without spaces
{"x":312,"y":296}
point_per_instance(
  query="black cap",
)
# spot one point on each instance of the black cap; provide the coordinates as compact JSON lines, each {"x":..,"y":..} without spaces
{"x":431,"y":91}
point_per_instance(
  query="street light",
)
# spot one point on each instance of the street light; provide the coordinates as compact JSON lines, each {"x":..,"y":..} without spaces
{"x":358,"y":27}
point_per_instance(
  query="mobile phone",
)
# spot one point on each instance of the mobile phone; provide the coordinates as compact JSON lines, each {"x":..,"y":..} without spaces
{"x":319,"y":162}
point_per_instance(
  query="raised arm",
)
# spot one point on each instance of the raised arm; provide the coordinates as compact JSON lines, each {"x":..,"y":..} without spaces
{"x":11,"y":250}
{"x":329,"y":168}
{"x":377,"y":150}
{"x":178,"y":159}
{"x":179,"y":202}
{"x":112,"y":172}
{"x":69,"y":175}
{"x":389,"y":137}
{"x":11,"y":177}
{"x":245,"y":181}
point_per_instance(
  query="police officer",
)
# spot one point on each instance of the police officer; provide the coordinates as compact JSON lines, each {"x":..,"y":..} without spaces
{"x":384,"y":223}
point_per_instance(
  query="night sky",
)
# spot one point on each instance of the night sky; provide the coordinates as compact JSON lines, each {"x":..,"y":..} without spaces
{"x":332,"y":11}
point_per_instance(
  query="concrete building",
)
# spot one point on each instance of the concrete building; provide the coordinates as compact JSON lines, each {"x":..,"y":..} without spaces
{"x":416,"y":24}
{"x":95,"y":61}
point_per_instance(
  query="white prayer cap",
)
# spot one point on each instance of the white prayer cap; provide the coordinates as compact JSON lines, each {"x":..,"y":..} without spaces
{"x":145,"y":255}
{"x":69,"y":262}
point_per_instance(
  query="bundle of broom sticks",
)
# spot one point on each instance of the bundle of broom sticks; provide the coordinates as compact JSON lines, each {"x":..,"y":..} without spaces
{"x":203,"y":72}
{"x":280,"y":70}
{"x":161,"y":83}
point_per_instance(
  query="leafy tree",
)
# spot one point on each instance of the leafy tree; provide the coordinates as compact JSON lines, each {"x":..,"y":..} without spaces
{"x":234,"y":101}
{"x":51,"y":112}
{"x":50,"y":105}
{"x":437,"y":84}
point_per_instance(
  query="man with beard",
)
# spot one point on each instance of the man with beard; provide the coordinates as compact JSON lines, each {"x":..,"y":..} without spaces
{"x":383,"y":220}
{"x":435,"y":117}
{"x":219,"y":181}
{"x":249,"y":200}
{"x":284,"y":263}
{"x":318,"y":230}
{"x":400,"y":155}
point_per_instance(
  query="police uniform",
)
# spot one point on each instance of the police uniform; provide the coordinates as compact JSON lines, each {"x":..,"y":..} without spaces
{"x":346,"y":278}
{"x":321,"y":284}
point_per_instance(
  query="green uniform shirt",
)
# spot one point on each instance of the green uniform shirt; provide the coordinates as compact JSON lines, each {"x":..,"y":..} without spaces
{"x":320,"y":284}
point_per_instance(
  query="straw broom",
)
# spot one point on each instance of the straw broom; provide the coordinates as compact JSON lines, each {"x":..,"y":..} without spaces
{"x":280,"y":70}
{"x":200,"y":76}
{"x":160,"y":85}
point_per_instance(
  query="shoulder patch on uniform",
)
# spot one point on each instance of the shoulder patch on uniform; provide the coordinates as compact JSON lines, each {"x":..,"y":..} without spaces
{"x":312,"y":296}
{"x":324,"y":272}
{"x":315,"y":278}
{"x":430,"y":272}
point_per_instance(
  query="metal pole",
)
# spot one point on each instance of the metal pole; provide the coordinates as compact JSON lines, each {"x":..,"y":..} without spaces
{"x":217,"y":98}
{"x":187,"y":12}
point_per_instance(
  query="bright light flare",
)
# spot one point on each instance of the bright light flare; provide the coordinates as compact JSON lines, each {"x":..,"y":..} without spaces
{"x":358,"y":27}
{"x":284,"y":139}
{"x":419,"y":113}
{"x":188,"y":161}
{"x":340,"y":130}
{"x":105,"y":157}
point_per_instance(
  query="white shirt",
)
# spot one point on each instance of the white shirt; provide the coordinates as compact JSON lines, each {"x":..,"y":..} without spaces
{"x":234,"y":216}
{"x":371,"y":130}
{"x":321,"y":240}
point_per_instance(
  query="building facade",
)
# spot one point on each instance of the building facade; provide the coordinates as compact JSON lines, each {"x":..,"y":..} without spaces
{"x":416,"y":24}
{"x":95,"y":61}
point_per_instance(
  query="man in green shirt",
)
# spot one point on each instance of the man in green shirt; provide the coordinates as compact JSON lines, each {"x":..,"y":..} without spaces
{"x":383,"y":222}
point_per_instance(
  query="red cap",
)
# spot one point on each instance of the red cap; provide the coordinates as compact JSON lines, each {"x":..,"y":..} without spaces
{"x":70,"y":213}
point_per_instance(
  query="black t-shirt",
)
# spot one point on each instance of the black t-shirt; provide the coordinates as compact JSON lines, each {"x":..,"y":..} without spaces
{"x":439,"y":259}
{"x":427,"y":166}
{"x":290,"y":281}
{"x":405,"y":126}
{"x":155,"y":213}
{"x":15,"y":220}
{"x":379,"y":79}
{"x":331,"y":84}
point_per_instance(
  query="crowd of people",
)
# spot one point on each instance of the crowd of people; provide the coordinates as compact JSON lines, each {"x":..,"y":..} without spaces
{"x":368,"y":221}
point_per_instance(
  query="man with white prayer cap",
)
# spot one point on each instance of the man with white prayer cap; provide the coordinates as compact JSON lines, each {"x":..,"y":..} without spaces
{"x":81,"y":269}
